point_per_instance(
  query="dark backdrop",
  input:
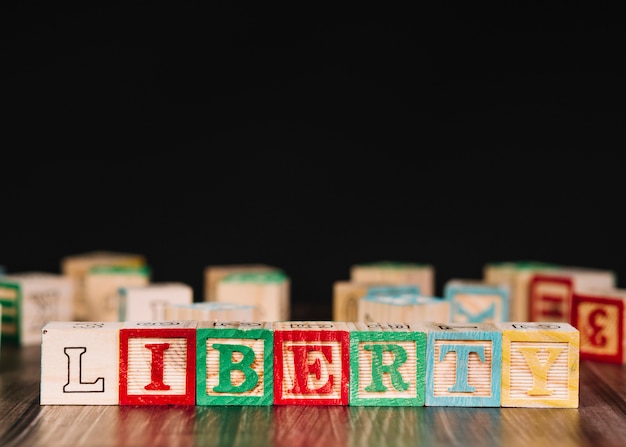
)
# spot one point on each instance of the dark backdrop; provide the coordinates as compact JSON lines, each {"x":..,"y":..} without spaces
{"x":312,"y":137}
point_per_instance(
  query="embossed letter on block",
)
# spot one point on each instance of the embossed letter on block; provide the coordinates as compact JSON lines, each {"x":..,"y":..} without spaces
{"x":158,"y":363}
{"x":463,"y":364}
{"x":540,"y":364}
{"x":599,"y":316}
{"x":477,"y":301}
{"x":387,"y":364}
{"x":79,"y":363}
{"x":311,"y":363}
{"x":235,"y":363}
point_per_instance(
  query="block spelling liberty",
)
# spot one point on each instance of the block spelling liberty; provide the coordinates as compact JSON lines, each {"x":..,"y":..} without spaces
{"x":540,"y":364}
{"x":463,"y":364}
{"x":158,"y":363}
{"x":311,"y":363}
{"x":80,"y":363}
{"x":387,"y":364}
{"x":235,"y":363}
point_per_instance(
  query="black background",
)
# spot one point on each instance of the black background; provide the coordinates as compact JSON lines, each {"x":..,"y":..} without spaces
{"x":312,"y":137}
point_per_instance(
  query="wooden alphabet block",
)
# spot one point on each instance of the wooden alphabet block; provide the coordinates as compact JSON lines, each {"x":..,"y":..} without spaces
{"x":102,"y":285}
{"x":599,"y":316}
{"x":213,"y":311}
{"x":31,"y":299}
{"x":267,"y":291}
{"x":215,"y":273}
{"x":387,"y":364}
{"x":148,"y":302}
{"x":235,"y":363}
{"x":540,"y":365}
{"x":80,"y":363}
{"x":408,"y":309}
{"x":77,"y":265}
{"x":389,"y":272}
{"x":311,"y":363}
{"x":550,"y":293}
{"x":346,"y":295}
{"x":517,"y":274}
{"x":463,"y":364}
{"x":158,"y":363}
{"x":475,"y":301}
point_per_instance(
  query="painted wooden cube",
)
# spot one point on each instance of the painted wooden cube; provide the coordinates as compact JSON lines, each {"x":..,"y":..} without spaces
{"x":387,"y":364}
{"x":473,"y":301}
{"x":215,"y":273}
{"x":403,"y":309}
{"x":77,"y":265}
{"x":463,"y":364}
{"x":235,"y":363}
{"x":540,"y":365}
{"x":267,"y":291}
{"x":148,"y":302}
{"x":30,"y":300}
{"x":311,"y":363}
{"x":213,"y":311}
{"x":517,"y":274}
{"x":389,"y":272}
{"x":80,"y":363}
{"x":102,"y":286}
{"x":158,"y":363}
{"x":346,"y":295}
{"x":599,"y":316}
{"x":550,"y":294}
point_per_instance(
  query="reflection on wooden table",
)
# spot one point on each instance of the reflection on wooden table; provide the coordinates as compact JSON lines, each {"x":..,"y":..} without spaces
{"x":599,"y":421}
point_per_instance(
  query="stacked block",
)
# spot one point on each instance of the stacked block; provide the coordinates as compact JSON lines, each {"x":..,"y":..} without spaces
{"x":102,"y":288}
{"x":81,"y":363}
{"x":29,"y":300}
{"x":235,"y":363}
{"x":158,"y":363}
{"x":540,"y":364}
{"x":187,"y":362}
{"x":403,"y":309}
{"x":148,"y":302}
{"x":311,"y":363}
{"x":599,"y":316}
{"x":77,"y":265}
{"x":464,"y":363}
{"x":473,"y":301}
{"x":213,"y":274}
{"x":390,"y":272}
{"x":387,"y":364}
{"x":267,"y":291}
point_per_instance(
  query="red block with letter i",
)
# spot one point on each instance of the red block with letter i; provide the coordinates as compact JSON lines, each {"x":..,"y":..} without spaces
{"x":311,"y":363}
{"x":158,"y":363}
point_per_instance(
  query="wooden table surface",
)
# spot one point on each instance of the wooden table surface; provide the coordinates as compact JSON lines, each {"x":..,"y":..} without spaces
{"x":599,"y":421}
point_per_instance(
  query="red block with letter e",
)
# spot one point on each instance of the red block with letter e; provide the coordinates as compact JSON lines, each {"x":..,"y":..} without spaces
{"x":550,"y":298}
{"x":599,"y":316}
{"x":158,"y":363}
{"x":550,"y":293}
{"x":311,"y":363}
